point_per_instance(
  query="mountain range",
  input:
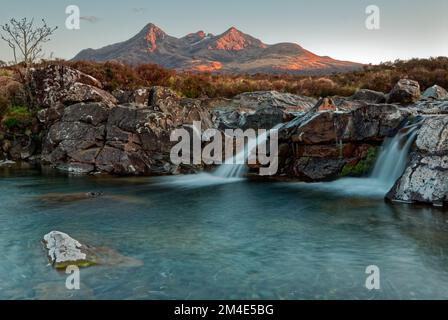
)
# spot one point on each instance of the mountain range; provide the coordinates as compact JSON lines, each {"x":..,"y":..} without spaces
{"x":232,"y":52}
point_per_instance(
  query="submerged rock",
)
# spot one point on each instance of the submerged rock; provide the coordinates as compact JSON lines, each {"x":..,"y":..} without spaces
{"x":5,"y":163}
{"x":425,"y":179}
{"x":69,"y":197}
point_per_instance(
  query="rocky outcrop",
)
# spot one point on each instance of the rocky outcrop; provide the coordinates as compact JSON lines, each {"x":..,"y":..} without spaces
{"x":139,"y":97}
{"x":123,"y":140}
{"x":405,"y":92}
{"x":323,"y":145}
{"x":426,"y":177}
{"x":260,"y":110}
{"x":56,"y":86}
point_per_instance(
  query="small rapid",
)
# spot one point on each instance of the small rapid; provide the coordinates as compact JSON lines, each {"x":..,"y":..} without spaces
{"x":236,"y":167}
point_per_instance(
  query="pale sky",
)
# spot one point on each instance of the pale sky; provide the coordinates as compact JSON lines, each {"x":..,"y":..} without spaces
{"x":408,"y":28}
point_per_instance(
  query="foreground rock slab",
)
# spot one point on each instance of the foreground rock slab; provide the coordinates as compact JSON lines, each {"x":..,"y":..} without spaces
{"x":63,"y":250}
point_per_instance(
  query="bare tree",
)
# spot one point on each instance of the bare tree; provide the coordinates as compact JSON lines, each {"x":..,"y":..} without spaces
{"x":25,"y":39}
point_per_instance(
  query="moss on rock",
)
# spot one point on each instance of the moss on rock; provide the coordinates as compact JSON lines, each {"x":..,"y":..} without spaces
{"x":362,"y":167}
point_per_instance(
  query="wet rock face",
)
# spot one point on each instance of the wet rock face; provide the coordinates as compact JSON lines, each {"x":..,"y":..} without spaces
{"x":56,"y":86}
{"x":426,"y":177}
{"x":122,"y":140}
{"x":260,"y":110}
{"x":405,"y":92}
{"x":322,"y":145}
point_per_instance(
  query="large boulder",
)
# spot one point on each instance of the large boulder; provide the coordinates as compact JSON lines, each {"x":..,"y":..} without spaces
{"x":405,"y":92}
{"x":425,"y":179}
{"x":323,"y":145}
{"x":56,"y":86}
{"x":260,"y":110}
{"x":435,"y":93}
{"x":122,"y":140}
{"x":369,"y":96}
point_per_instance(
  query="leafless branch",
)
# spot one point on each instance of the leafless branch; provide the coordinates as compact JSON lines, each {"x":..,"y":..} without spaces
{"x":26,"y":39}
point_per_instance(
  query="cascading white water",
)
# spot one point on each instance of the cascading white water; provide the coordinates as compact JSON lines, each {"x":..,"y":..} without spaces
{"x":236,"y":166}
{"x":389,"y":166}
{"x":393,"y":158}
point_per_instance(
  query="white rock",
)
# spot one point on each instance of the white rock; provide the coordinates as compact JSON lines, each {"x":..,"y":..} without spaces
{"x":63,"y":250}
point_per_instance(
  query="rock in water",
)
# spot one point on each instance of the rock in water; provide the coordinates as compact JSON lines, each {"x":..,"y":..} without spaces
{"x":405,"y":92}
{"x":426,"y":177}
{"x":64,"y":251}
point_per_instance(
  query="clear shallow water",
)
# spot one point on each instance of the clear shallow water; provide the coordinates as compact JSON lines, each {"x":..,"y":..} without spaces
{"x":240,"y":240}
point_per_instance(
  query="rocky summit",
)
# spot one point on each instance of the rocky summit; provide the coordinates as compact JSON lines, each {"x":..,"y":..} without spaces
{"x":232,"y":51}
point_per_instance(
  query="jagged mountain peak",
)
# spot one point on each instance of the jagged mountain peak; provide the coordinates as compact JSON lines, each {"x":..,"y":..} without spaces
{"x":153,"y":35}
{"x":235,"y":40}
{"x":232,"y":51}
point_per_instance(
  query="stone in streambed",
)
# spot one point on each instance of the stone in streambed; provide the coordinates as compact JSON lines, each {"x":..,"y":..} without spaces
{"x":69,"y":197}
{"x":63,"y":251}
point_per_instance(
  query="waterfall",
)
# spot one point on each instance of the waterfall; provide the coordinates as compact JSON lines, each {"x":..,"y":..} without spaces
{"x":393,"y":158}
{"x":236,"y":167}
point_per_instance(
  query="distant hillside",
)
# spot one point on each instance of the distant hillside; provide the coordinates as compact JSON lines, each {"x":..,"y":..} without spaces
{"x":381,"y":77}
{"x":230,"y":52}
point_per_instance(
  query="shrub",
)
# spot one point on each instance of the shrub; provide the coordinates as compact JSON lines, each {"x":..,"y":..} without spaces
{"x":10,"y":123}
{"x":17,"y":116}
{"x":380,"y":77}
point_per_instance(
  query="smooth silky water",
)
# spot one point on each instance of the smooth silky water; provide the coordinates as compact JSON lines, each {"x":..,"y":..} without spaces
{"x":209,"y":237}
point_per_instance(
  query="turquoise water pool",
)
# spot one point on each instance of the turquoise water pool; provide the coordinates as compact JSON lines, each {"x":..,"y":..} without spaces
{"x":204,"y":238}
